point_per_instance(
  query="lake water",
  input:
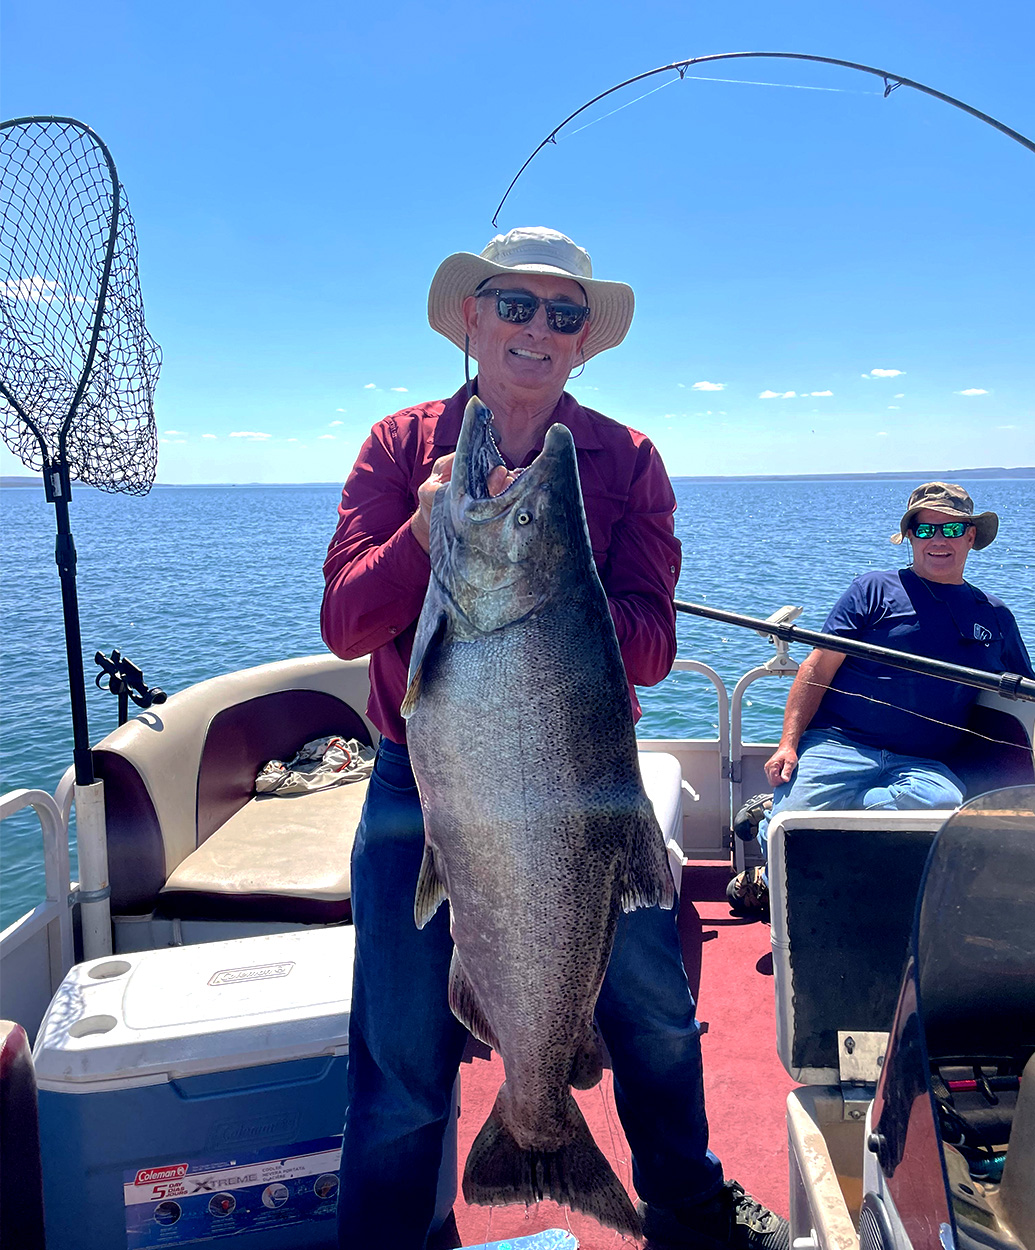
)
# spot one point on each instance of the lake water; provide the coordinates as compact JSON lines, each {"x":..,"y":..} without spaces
{"x":190,"y":582}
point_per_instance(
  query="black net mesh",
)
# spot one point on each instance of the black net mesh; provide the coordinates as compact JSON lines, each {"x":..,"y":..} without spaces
{"x":70,"y":307}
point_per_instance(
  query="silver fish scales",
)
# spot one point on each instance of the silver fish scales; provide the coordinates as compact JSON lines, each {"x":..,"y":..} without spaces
{"x":537,"y":826}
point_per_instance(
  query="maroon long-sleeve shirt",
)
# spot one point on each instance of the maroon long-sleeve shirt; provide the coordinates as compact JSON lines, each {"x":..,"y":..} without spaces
{"x":376,"y":572}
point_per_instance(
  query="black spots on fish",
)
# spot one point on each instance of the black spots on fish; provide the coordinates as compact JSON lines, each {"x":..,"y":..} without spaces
{"x":647,"y":880}
{"x":465,"y":1006}
{"x":587,"y":1067}
{"x":499,"y":1173}
{"x":431,"y":889}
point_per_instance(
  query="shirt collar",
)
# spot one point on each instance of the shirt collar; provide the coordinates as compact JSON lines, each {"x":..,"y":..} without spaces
{"x":568,"y":412}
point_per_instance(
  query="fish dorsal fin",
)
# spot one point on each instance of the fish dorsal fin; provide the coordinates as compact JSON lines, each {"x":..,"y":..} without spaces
{"x":430,"y":630}
{"x":464,"y":1005}
{"x":647,"y":881}
{"x":431,"y":889}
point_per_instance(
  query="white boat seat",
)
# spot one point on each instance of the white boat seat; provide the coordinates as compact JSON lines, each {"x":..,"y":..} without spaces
{"x":663,"y":781}
{"x":276,"y":858}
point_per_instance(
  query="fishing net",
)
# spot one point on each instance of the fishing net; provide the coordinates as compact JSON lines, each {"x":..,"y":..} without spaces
{"x":77,"y":365}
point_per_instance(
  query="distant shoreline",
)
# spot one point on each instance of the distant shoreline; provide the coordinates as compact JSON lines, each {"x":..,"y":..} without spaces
{"x":920,"y":475}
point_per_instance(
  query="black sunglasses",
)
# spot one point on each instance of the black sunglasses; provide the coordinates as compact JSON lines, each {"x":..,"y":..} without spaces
{"x":949,"y":529}
{"x":563,"y":316}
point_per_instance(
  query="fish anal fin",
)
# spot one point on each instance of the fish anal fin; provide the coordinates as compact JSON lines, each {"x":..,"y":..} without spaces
{"x":431,"y":889}
{"x":465,"y":1006}
{"x":499,"y":1172}
{"x":647,"y":881}
{"x":587,"y":1067}
{"x":430,"y":629}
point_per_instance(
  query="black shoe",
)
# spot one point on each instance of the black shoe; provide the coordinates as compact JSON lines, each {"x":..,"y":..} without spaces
{"x":751,"y":815}
{"x":732,"y":1219}
{"x":748,"y":893}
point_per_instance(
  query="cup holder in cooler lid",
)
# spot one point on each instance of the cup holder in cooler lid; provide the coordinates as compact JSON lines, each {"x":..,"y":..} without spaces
{"x":152,"y":1015}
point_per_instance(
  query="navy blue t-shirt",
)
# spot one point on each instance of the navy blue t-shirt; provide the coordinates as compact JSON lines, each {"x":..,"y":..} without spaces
{"x":898,"y":609}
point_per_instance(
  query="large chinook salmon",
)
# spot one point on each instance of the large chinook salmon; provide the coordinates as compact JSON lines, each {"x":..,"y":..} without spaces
{"x":537,"y":826}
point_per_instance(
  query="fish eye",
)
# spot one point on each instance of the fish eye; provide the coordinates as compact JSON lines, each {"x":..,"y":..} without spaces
{"x":523,"y":518}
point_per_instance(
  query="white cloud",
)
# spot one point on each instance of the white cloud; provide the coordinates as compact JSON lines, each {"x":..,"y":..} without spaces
{"x":974,"y":390}
{"x":401,"y":389}
{"x":821,"y":393}
{"x":681,"y":385}
{"x":341,"y":410}
{"x":253,"y":434}
{"x":788,"y":394}
{"x":330,"y":436}
{"x":900,"y":395}
{"x":769,"y":395}
{"x":174,"y":434}
{"x":669,"y":416}
{"x":893,"y":408}
{"x":334,"y":423}
{"x":370,"y":386}
{"x":210,"y":436}
{"x":37,"y":290}
{"x":1006,"y":427}
{"x":885,"y":373}
{"x":708,"y":386}
{"x":882,"y":434}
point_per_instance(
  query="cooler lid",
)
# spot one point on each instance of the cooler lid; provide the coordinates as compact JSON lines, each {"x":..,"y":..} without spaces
{"x":152,"y":1016}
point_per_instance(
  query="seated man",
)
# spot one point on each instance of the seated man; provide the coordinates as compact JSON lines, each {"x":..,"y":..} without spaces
{"x":866,"y":736}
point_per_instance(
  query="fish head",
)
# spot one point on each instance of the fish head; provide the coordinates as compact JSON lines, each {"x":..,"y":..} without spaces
{"x":502,"y":558}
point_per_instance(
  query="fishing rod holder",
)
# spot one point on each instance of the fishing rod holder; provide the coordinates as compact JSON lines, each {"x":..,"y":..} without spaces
{"x":121,"y":677}
{"x":781,"y":662}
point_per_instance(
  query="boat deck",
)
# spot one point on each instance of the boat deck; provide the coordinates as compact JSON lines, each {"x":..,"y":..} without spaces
{"x":729,"y":966}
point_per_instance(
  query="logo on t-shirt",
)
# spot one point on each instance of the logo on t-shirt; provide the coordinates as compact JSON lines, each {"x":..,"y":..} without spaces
{"x":981,"y":633}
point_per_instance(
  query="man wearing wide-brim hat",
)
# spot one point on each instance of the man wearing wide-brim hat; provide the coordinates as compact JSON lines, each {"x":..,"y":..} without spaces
{"x":860,"y":735}
{"x":530,"y":311}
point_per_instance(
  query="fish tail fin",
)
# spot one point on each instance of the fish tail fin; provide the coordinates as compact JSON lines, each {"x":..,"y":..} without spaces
{"x":500,"y":1172}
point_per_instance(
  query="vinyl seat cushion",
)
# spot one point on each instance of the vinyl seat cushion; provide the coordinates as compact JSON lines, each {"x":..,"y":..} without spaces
{"x":274,"y":859}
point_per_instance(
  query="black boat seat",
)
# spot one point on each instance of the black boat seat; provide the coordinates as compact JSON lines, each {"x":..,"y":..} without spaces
{"x":275,"y":858}
{"x":21,"y":1183}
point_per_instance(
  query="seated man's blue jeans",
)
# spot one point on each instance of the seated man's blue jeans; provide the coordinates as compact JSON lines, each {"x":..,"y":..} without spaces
{"x":836,"y":774}
{"x":405,"y":1045}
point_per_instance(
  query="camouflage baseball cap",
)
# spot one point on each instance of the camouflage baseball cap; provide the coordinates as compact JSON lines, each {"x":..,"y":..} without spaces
{"x":952,"y":500}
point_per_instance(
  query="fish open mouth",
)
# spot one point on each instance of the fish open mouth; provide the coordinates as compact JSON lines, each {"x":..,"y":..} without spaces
{"x":480,"y":452}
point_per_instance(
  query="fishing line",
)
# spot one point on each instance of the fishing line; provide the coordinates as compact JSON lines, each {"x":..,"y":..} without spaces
{"x":743,"y":82}
{"x":855,"y":694}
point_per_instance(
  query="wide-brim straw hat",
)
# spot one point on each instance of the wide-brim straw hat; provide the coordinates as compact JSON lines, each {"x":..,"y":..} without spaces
{"x":953,"y":501}
{"x":530,"y":249}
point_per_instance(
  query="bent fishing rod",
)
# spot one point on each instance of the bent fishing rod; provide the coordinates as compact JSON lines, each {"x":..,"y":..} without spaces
{"x":1008,"y":685}
{"x":891,"y":83}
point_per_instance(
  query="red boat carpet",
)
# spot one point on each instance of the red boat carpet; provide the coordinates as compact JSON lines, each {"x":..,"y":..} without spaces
{"x":729,"y":967}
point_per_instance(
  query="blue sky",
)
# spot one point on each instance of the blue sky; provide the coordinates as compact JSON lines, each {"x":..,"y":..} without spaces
{"x":826,"y":280}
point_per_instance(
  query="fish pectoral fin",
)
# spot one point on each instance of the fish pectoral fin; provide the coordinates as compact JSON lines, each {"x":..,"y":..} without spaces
{"x":431,"y":889}
{"x":647,"y":881}
{"x":464,"y":1004}
{"x":577,"y":1175}
{"x":430,"y":629}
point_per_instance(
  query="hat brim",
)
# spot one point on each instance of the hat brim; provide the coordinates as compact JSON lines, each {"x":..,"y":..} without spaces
{"x":611,"y":303}
{"x":986,"y":524}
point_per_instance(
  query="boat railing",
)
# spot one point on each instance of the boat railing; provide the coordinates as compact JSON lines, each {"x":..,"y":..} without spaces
{"x":37,"y":950}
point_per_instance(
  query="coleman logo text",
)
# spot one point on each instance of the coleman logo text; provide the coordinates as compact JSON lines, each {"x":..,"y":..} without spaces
{"x":174,"y":1172}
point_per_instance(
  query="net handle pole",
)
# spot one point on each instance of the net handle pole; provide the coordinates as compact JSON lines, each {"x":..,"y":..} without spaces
{"x":1009,"y":685}
{"x":66,"y":558}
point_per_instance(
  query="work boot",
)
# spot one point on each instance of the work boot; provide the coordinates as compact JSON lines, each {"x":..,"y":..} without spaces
{"x":732,"y":1220}
{"x":748,"y":893}
{"x":751,"y":815}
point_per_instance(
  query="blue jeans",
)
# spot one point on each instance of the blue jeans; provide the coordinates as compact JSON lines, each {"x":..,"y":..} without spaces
{"x":835,"y":773}
{"x":405,"y":1045}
